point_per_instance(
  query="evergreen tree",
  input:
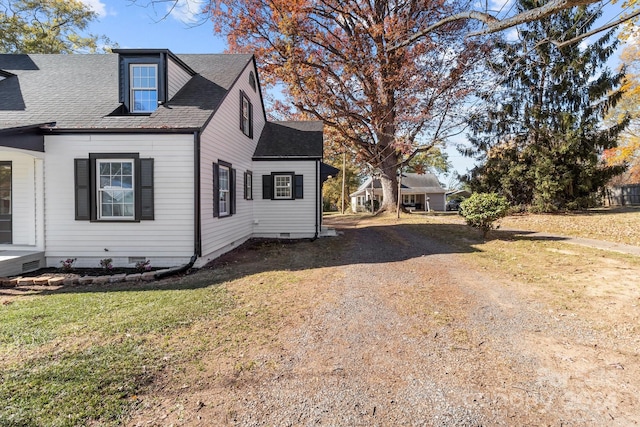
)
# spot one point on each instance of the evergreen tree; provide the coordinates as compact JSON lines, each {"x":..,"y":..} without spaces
{"x":541,"y":138}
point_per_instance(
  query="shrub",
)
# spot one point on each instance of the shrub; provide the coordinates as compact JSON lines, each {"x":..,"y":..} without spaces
{"x":67,"y":264}
{"x":106,"y":263}
{"x":143,"y":266}
{"x":481,"y":210}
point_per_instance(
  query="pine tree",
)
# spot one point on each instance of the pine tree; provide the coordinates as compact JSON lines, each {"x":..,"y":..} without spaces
{"x":541,"y":137}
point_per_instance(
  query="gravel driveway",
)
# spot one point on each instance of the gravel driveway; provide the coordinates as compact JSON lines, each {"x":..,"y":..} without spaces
{"x":401,"y":332}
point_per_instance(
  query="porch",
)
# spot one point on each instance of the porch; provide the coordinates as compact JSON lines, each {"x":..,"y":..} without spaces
{"x":14,"y":262}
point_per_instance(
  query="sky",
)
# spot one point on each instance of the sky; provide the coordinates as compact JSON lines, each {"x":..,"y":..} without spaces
{"x":149,"y":24}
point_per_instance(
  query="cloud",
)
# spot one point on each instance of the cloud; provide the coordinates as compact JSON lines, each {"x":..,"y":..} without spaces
{"x":186,"y":11}
{"x":97,"y":6}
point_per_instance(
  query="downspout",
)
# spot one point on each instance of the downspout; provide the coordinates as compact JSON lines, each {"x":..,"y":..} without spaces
{"x":318,"y":205}
{"x":197,"y":234}
{"x":197,"y":247}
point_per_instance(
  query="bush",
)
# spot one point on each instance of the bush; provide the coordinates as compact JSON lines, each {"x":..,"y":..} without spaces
{"x":481,"y":210}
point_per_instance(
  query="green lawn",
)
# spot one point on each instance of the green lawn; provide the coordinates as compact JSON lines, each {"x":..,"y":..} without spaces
{"x":70,"y":358}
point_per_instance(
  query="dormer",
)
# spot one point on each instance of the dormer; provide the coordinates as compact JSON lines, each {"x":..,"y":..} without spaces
{"x":149,"y":78}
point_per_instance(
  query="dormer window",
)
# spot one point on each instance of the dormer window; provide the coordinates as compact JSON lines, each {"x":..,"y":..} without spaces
{"x":149,"y":78}
{"x":144,"y":88}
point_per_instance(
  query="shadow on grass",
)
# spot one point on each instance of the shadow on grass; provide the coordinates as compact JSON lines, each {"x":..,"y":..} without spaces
{"x":360,"y":241}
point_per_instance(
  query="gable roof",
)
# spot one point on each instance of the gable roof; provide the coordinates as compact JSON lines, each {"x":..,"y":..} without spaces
{"x":290,"y":139}
{"x":411,"y":183}
{"x":82,"y":92}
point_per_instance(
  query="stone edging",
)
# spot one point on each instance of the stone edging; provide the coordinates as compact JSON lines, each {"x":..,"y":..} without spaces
{"x":57,"y":280}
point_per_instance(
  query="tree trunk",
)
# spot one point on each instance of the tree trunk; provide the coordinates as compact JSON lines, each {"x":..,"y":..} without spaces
{"x":389,"y":182}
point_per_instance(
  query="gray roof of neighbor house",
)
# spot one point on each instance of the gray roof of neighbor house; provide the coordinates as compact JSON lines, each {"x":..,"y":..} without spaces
{"x":82,"y":92}
{"x":411,"y":183}
{"x":291,"y":140}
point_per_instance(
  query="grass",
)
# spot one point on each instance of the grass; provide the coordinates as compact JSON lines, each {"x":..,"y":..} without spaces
{"x":82,"y":357}
{"x":75,"y":357}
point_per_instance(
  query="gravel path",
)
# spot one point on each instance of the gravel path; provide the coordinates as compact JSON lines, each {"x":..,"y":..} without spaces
{"x":410,"y":336}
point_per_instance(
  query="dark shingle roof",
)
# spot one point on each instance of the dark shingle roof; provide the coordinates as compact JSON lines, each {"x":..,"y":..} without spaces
{"x":81,"y":92}
{"x":290,"y":140}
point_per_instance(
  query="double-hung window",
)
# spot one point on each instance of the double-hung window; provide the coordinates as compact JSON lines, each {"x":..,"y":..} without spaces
{"x":115,"y":189}
{"x":144,"y":88}
{"x":248,"y":185}
{"x":282,"y":187}
{"x":246,"y":115}
{"x":224,"y":192}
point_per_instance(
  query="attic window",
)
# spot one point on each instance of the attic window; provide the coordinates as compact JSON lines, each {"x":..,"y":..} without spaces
{"x":252,"y":80}
{"x":144,"y":88}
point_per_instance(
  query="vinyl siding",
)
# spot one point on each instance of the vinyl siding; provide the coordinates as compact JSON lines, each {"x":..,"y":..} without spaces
{"x":166,"y":241}
{"x":223,"y":140}
{"x":23,"y":194}
{"x":176,"y":78}
{"x":296,"y":217}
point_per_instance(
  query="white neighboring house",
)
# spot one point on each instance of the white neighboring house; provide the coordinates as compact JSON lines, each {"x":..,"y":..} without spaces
{"x":418,"y":192}
{"x":146,"y":155}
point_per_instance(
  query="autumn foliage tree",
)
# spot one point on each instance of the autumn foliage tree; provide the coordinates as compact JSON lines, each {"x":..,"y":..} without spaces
{"x":341,"y":62}
{"x":628,"y":150}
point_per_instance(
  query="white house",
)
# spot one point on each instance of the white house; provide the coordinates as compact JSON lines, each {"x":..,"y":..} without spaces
{"x":420,"y":192}
{"x":146,"y":155}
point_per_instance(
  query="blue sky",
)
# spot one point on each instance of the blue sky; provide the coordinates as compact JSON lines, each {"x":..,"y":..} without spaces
{"x":143,"y":24}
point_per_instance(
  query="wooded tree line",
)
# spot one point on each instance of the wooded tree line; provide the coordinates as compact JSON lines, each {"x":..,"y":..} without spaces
{"x":394,"y":80}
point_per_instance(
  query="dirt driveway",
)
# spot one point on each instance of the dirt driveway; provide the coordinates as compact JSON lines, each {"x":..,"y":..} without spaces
{"x":394,"y":329}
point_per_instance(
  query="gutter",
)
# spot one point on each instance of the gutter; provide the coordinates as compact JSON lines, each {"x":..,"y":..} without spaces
{"x":197,"y":228}
{"x":318,"y":205}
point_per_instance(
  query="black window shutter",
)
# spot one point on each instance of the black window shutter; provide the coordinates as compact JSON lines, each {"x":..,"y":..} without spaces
{"x":250,"y":120}
{"x":123,"y":80}
{"x":216,"y":190}
{"x":241,"y":117}
{"x":232,"y":191}
{"x":246,"y":192}
{"x":145,"y":190}
{"x":267,"y":187}
{"x":82,"y":189}
{"x":298,"y":193}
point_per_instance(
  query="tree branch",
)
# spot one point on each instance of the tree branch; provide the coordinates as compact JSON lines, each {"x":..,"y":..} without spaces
{"x":494,"y":24}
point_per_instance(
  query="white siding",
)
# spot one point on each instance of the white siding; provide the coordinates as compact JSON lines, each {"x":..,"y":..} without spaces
{"x":166,"y":241}
{"x":276,"y":218}
{"x":223,"y":140}
{"x":176,"y":78}
{"x":24,"y":194}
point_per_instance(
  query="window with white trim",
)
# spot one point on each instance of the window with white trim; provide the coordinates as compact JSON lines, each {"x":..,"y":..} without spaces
{"x":144,"y":88}
{"x":282,"y":187}
{"x":248,"y":185}
{"x":223,"y":190}
{"x":116,"y":191}
{"x":246,"y":115}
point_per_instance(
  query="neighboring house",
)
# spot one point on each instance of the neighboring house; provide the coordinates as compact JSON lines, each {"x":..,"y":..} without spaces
{"x":420,"y":192}
{"x":147,"y":155}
